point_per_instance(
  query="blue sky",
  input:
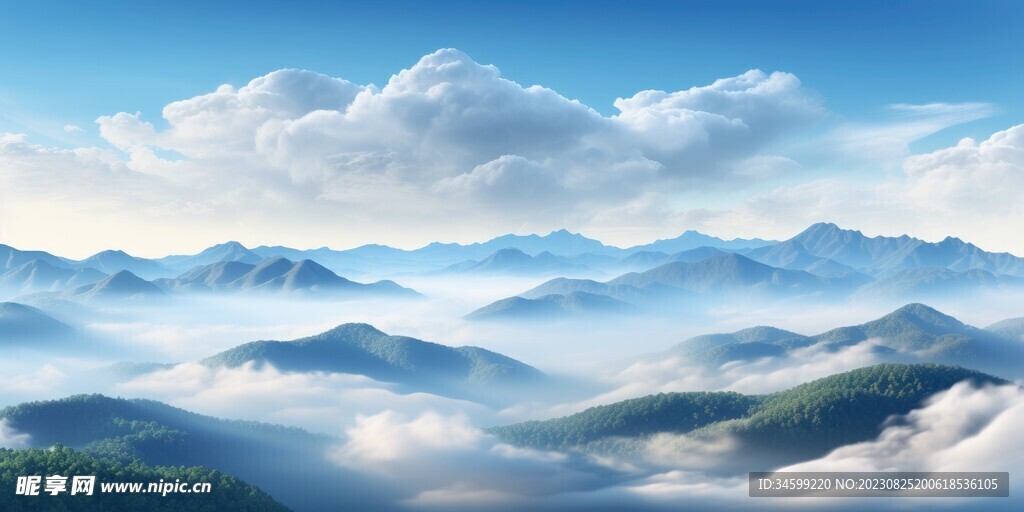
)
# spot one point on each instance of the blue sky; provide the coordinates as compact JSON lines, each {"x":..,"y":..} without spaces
{"x":862,"y":126}
{"x":70,"y":62}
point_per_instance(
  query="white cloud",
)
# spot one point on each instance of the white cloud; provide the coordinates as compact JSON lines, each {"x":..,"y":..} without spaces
{"x":11,"y":438}
{"x":446,"y":142}
{"x":887,"y":141}
{"x":965,"y":428}
{"x":317,"y":401}
{"x":444,"y":461}
{"x":70,"y":128}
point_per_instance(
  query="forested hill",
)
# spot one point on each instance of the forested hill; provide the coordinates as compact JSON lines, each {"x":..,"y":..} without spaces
{"x":806,"y":420}
{"x":226,"y":491}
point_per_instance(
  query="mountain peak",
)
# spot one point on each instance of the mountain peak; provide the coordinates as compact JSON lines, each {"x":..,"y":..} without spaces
{"x":355,"y":329}
{"x":923,"y":315}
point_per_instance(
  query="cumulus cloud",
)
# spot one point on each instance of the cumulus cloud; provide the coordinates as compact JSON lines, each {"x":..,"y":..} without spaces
{"x":446,"y":140}
{"x":444,"y":461}
{"x":965,"y":428}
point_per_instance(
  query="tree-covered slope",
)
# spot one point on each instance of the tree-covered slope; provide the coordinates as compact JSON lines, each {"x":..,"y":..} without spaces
{"x":280,"y":460}
{"x":664,"y":412}
{"x":849,"y":407}
{"x":226,"y":491}
{"x":804,"y":421}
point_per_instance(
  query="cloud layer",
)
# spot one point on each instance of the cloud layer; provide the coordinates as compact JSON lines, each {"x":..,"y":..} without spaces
{"x":447,"y":140}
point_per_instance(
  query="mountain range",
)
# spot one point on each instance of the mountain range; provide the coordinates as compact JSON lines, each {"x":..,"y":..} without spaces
{"x":515,"y":262}
{"x":823,"y":249}
{"x":914,"y":331}
{"x":879,"y":255}
{"x":39,"y":276}
{"x":718,"y":275}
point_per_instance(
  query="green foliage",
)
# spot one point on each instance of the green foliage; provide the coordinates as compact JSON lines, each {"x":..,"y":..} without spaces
{"x":664,"y":412}
{"x":805,"y":420}
{"x":227,"y":492}
{"x":364,"y":350}
{"x":845,"y":408}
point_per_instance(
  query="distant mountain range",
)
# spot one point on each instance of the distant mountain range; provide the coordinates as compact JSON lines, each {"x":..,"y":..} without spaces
{"x":122,"y":287}
{"x":879,"y":255}
{"x":516,"y":263}
{"x":469,"y":372}
{"x":719,"y":275}
{"x":39,"y":276}
{"x":711,"y":274}
{"x":823,"y":249}
{"x":802,"y":423}
{"x":228,"y":251}
{"x":111,"y":262}
{"x":914,"y":331}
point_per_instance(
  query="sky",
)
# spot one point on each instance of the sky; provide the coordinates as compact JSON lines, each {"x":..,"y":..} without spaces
{"x":163,"y":128}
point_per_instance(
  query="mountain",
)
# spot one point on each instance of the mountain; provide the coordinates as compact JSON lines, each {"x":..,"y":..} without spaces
{"x":566,"y":286}
{"x":913,"y":327}
{"x":664,"y":412}
{"x":228,"y":251}
{"x":226,"y":492}
{"x":112,"y":262}
{"x":276,"y":275}
{"x":792,"y":255}
{"x":11,"y":258}
{"x":725,"y":272}
{"x":697,"y":273}
{"x":692,"y":240}
{"x":283,"y":461}
{"x":931,"y":282}
{"x":122,"y":286}
{"x":914,"y":331}
{"x":21,"y":322}
{"x":954,"y":254}
{"x":801,"y":423}
{"x":211,"y":277}
{"x":516,"y":262}
{"x":879,"y":255}
{"x":361,"y":349}
{"x":744,"y":345}
{"x":551,"y":306}
{"x":569,"y":247}
{"x":40,"y":276}
{"x":641,"y":261}
{"x":1012,"y":328}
